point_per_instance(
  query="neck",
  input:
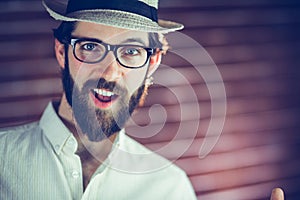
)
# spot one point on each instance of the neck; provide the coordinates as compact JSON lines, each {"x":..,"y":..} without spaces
{"x":65,"y":112}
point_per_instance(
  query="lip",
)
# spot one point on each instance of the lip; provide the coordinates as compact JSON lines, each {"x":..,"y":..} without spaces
{"x":102,"y":104}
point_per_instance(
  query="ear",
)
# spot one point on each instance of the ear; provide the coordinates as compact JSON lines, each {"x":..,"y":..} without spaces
{"x":155,"y":61}
{"x":60,"y":53}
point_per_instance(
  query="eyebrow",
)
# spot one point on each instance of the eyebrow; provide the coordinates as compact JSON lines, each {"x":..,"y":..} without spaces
{"x":129,"y":40}
{"x":134,"y":40}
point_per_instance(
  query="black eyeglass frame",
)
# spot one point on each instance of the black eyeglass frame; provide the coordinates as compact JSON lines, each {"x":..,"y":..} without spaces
{"x":109,"y":47}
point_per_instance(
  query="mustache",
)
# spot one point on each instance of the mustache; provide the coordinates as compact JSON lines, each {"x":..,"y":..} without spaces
{"x":104,"y":84}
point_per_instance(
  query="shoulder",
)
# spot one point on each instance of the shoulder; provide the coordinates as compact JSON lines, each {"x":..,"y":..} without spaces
{"x":16,"y":136}
{"x":18,"y":130}
{"x":146,"y":160}
{"x":153,"y":169}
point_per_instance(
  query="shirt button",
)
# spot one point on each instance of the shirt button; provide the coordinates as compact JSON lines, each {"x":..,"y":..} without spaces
{"x":57,"y":146}
{"x":75,"y":174}
{"x":71,"y":141}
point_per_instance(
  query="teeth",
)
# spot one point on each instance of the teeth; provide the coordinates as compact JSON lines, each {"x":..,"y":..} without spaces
{"x":103,"y":92}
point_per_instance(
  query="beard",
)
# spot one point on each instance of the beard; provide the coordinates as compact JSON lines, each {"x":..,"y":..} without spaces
{"x":100,"y":124}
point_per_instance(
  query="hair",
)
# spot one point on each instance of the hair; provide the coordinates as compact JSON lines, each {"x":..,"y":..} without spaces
{"x":64,"y":31}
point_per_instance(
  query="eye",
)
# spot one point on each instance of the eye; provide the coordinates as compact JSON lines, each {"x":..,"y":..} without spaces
{"x":132,"y":51}
{"x":88,"y":46}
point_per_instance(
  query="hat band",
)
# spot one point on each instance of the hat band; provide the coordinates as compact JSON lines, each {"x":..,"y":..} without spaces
{"x":132,"y":6}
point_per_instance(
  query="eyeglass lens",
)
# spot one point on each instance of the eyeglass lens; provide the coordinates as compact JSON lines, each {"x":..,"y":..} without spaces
{"x":127,"y":55}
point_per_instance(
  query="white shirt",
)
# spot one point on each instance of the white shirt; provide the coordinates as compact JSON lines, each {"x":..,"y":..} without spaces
{"x":38,"y":162}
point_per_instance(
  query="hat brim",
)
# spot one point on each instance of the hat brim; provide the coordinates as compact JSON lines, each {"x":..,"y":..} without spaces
{"x":114,"y":18}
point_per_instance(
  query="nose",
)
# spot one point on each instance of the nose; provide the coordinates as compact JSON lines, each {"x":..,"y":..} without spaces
{"x":110,"y":68}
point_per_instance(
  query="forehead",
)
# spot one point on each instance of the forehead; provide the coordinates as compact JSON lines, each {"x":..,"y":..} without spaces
{"x":108,"y":33}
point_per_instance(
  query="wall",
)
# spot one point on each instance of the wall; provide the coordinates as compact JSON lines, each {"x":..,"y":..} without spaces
{"x":255,"y":45}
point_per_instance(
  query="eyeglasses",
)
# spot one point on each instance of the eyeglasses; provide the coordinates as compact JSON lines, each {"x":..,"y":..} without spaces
{"x":89,"y":50}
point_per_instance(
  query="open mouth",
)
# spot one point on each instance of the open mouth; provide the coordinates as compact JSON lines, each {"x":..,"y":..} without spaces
{"x":103,"y":98}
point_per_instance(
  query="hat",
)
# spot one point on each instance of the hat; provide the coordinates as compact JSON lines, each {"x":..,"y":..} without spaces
{"x":140,"y":15}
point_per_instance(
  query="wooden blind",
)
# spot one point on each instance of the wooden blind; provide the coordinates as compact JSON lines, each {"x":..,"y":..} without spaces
{"x":255,"y":45}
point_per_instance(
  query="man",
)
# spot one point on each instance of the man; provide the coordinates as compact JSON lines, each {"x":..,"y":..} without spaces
{"x":107,"y":51}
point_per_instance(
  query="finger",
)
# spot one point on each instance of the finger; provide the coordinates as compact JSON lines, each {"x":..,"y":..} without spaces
{"x":277,"y":194}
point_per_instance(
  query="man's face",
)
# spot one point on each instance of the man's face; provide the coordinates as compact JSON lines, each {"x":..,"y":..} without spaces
{"x":103,"y":95}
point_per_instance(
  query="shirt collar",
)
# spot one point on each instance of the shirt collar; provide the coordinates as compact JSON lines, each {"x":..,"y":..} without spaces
{"x":54,"y":128}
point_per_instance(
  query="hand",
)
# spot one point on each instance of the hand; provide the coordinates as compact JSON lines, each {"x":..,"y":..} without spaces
{"x":277,"y":194}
